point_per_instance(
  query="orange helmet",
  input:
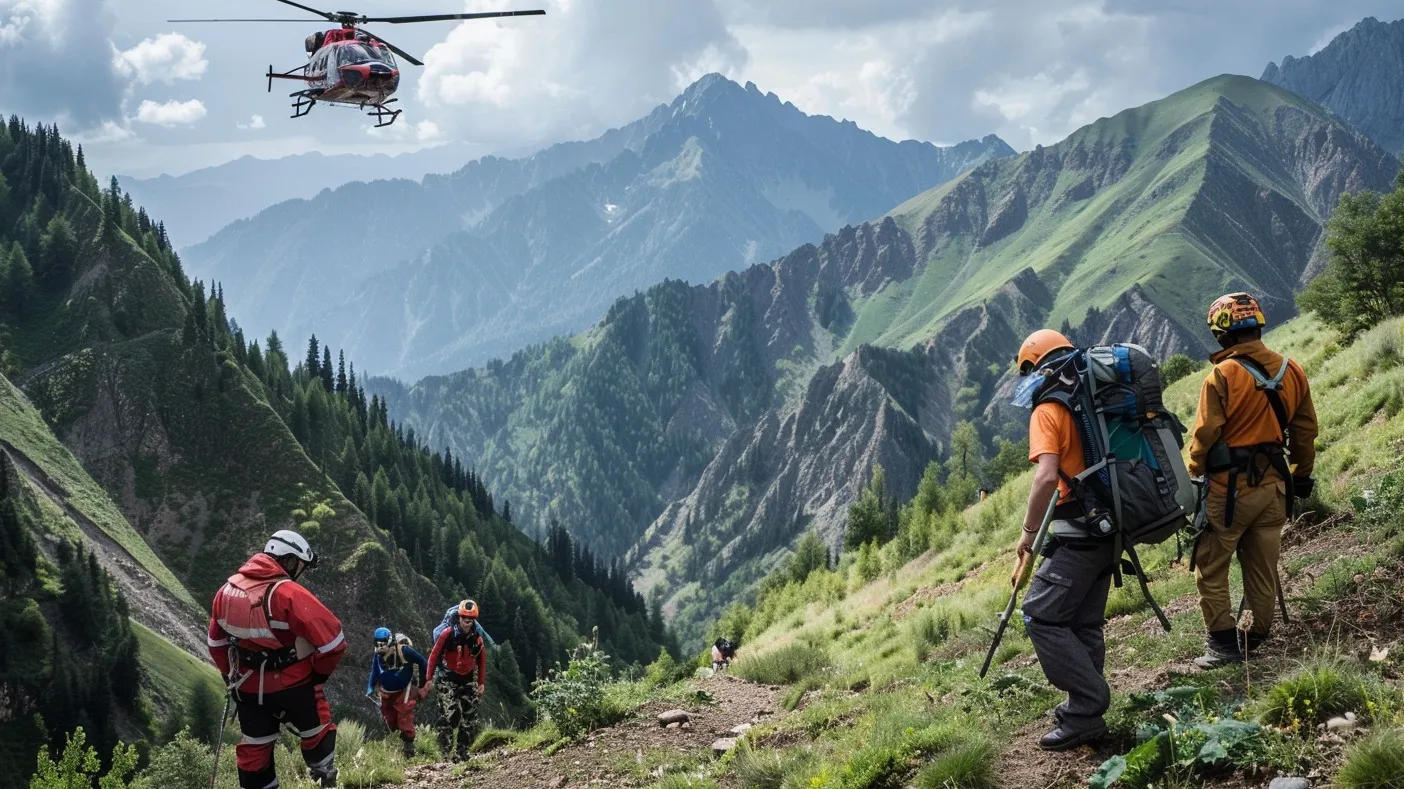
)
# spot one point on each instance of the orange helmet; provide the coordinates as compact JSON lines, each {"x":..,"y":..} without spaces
{"x":468,"y":608}
{"x":1037,"y":346}
{"x":1235,"y":311}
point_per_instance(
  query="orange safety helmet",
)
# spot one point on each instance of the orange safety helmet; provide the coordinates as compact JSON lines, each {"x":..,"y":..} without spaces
{"x":468,"y":608}
{"x":1233,"y":312}
{"x":1037,"y":346}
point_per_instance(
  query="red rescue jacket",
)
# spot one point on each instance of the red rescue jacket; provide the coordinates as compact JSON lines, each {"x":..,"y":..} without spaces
{"x":458,"y":655}
{"x":269,"y":633}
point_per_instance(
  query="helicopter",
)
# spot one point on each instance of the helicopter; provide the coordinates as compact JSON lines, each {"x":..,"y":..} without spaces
{"x":349,"y":66}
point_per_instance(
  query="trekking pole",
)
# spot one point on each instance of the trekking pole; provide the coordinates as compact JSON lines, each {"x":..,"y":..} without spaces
{"x":219,"y":738}
{"x":1021,"y":577}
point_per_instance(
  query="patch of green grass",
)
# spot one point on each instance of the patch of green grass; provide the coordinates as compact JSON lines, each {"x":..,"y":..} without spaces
{"x":1312,"y":694}
{"x":171,"y":671}
{"x":969,"y":765}
{"x":492,"y":739}
{"x":766,"y":769}
{"x":784,"y":666}
{"x":1374,"y":763}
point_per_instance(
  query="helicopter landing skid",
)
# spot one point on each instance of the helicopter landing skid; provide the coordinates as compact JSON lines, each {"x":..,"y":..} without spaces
{"x":305,"y":101}
{"x":383,"y":115}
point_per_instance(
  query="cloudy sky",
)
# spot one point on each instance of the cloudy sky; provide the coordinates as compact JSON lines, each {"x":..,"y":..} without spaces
{"x":146,"y":96}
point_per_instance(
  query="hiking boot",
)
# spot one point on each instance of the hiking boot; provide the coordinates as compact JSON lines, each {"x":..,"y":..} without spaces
{"x":1220,"y":649}
{"x":407,"y":747}
{"x":327,"y":780}
{"x":1061,"y":739}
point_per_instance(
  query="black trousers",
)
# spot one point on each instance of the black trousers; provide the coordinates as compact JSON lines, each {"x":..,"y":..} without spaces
{"x":305,"y":710}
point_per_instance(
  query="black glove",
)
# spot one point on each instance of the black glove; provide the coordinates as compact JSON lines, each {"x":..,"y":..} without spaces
{"x":1302,"y":487}
{"x":319,"y":679}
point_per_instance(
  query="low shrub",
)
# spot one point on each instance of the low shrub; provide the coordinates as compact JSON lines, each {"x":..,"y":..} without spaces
{"x":934,"y":627}
{"x":664,"y":670}
{"x":183,"y":763}
{"x":784,"y":666}
{"x":573,"y":697}
{"x":1374,"y":763}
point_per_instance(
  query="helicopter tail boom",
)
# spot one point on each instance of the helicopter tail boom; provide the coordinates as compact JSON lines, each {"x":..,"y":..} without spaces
{"x":272,"y":75}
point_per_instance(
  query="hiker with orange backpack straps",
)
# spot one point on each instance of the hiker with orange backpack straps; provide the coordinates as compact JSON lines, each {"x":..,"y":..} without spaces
{"x":1254,"y":439}
{"x":1064,"y":610}
{"x":276,"y":645}
{"x":459,"y":662}
{"x":392,"y":680}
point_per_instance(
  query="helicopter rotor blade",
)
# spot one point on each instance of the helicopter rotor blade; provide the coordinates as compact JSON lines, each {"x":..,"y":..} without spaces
{"x":399,"y":20}
{"x":403,"y":54}
{"x":310,"y":10}
{"x":299,"y":21}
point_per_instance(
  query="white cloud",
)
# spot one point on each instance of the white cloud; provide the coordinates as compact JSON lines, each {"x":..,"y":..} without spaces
{"x":107,"y":133}
{"x":579,"y":69}
{"x":165,"y":58}
{"x":256,"y":122}
{"x":171,"y":113}
{"x":403,"y":131}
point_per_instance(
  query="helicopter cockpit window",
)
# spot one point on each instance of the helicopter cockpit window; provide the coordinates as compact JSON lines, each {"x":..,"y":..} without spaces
{"x":363,"y":53}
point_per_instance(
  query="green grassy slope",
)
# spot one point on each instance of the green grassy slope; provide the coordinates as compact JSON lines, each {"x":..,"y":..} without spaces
{"x":919,"y":631}
{"x":1148,"y":198}
{"x":22,"y":430}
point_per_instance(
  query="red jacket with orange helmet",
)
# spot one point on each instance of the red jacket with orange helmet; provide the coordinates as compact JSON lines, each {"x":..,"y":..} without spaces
{"x":460,"y":653}
{"x":269,"y":633}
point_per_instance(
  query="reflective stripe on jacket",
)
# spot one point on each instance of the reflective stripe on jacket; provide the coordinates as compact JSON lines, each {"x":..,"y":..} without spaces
{"x":261,"y":610}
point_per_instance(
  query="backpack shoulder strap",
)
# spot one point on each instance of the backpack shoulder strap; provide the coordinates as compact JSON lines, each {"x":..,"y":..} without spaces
{"x":1271,"y":387}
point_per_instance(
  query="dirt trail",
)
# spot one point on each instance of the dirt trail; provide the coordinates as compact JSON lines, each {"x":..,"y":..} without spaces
{"x":633,"y":753}
{"x":149,"y":602}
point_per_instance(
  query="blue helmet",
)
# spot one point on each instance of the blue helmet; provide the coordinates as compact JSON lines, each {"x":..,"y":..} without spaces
{"x":382,"y":635}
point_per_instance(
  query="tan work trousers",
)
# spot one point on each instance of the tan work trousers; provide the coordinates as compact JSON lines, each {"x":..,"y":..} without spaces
{"x":1256,"y":537}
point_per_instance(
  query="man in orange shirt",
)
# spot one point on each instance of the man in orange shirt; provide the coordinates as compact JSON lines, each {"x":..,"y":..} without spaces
{"x":1065,"y":608}
{"x":1254,"y":437}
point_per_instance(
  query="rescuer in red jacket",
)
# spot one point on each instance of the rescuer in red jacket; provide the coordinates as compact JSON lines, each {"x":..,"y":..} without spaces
{"x":459,"y":662}
{"x":276,"y":644}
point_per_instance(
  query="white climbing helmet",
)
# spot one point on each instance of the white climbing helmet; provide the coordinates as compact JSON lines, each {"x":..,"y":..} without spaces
{"x":286,"y":542}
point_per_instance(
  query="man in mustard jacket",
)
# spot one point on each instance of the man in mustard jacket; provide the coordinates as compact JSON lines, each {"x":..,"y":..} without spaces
{"x":1254,"y":439}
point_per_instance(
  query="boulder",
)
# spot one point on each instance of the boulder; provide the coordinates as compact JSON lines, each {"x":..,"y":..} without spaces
{"x":1289,"y":783}
{"x":723,"y":745}
{"x":673,"y":716}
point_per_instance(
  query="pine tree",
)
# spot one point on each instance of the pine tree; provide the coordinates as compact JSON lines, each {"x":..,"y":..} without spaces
{"x":341,"y":373}
{"x":325,"y":370}
{"x":19,"y":284}
{"x":312,"y":357}
{"x":58,"y":254}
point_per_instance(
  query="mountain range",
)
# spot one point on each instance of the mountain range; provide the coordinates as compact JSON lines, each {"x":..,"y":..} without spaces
{"x":436,"y":276}
{"x":1359,"y":75}
{"x":708,"y":425}
{"x":197,"y":204}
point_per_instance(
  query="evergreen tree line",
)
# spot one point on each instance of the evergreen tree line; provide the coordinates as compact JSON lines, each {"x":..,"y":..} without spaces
{"x":68,"y":656}
{"x":434,"y":505}
{"x":439,"y":510}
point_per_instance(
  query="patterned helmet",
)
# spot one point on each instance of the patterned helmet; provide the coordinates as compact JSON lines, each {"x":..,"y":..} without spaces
{"x":468,"y":608}
{"x":1234,"y":312}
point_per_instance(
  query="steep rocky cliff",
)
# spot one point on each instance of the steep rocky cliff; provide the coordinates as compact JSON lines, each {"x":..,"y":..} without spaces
{"x":1359,"y":75}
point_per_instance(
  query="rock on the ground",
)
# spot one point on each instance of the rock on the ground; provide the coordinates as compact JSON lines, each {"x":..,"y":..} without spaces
{"x":673,"y":716}
{"x":1289,"y":783}
{"x":674,"y":725}
{"x":723,"y":745}
{"x":740,"y":728}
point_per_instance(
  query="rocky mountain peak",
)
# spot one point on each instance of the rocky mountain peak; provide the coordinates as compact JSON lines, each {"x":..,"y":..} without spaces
{"x":1359,"y":76}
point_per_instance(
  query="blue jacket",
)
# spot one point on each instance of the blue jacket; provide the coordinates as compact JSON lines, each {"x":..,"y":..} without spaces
{"x":399,"y":677}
